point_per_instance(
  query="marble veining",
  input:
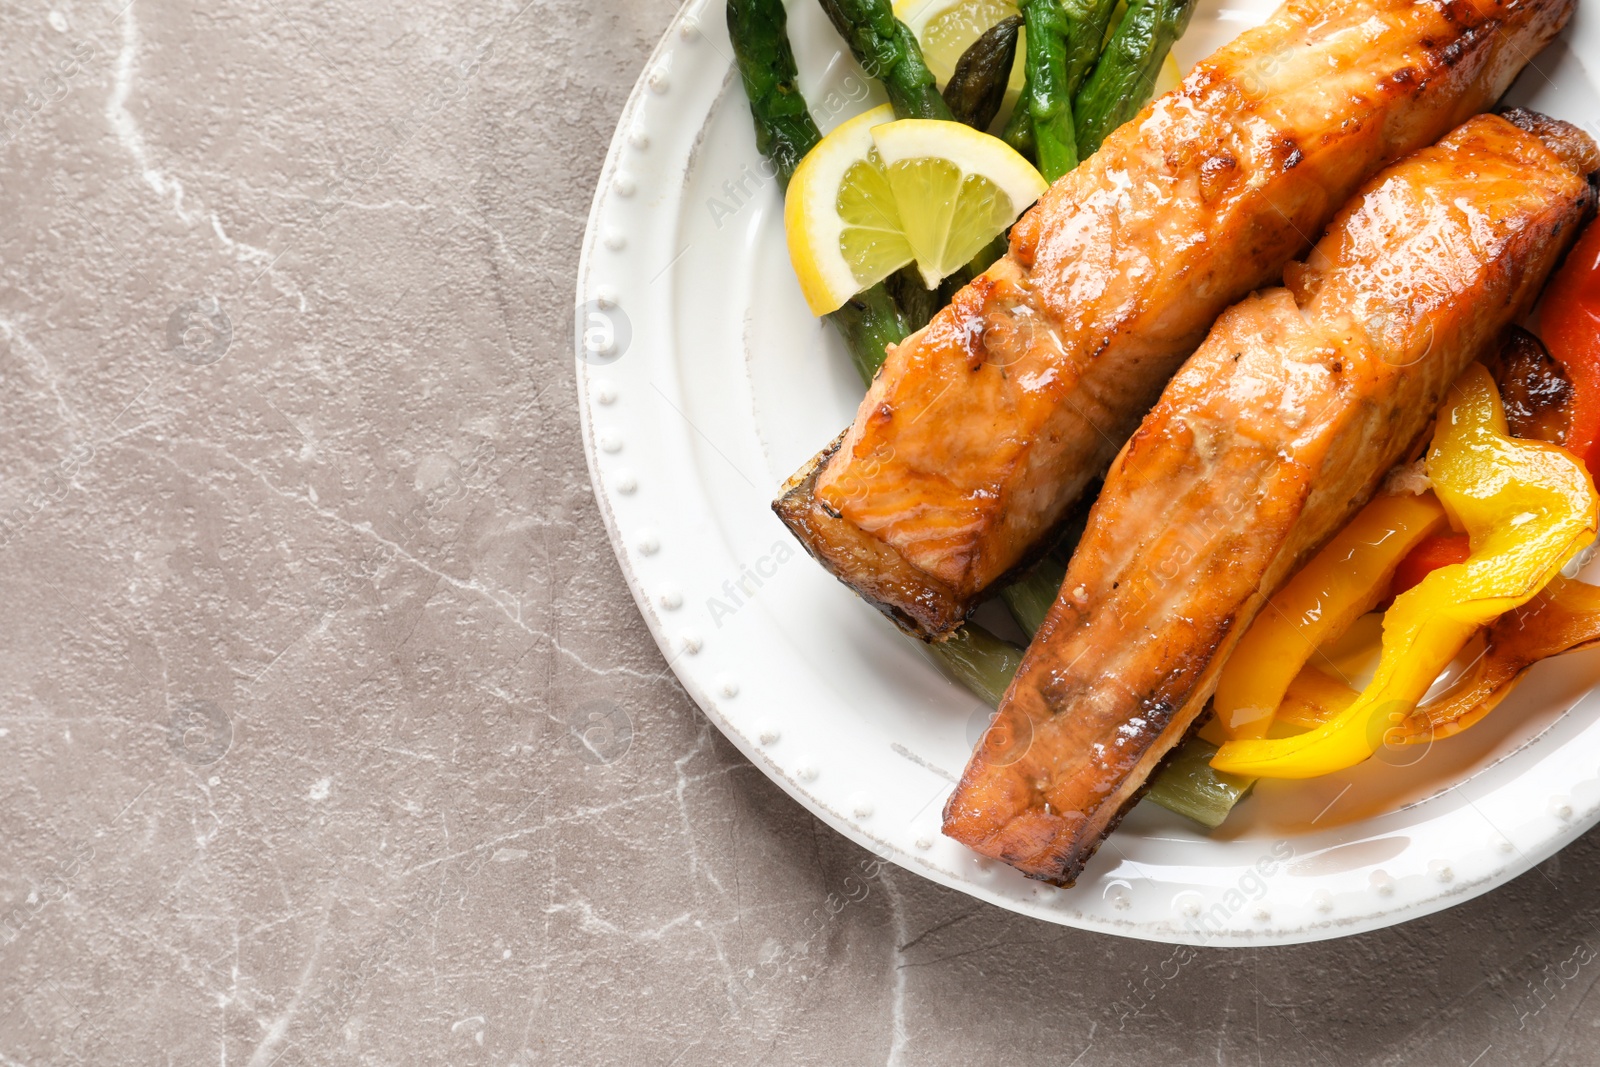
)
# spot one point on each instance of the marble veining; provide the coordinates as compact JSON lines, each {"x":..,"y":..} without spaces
{"x":331,"y":732}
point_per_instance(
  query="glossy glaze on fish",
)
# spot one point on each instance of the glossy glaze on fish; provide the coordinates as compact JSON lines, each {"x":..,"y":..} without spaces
{"x":981,"y":430}
{"x":1269,"y":438}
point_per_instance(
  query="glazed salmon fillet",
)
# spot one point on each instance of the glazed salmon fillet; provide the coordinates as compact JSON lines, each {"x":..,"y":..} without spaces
{"x":982,"y":430}
{"x":1271,"y":436}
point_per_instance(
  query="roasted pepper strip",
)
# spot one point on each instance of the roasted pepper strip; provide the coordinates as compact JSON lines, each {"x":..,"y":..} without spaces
{"x":1344,"y":581}
{"x":1564,"y":617}
{"x":1569,"y":323}
{"x":1528,"y":508}
{"x":1437,"y":551}
{"x":1313,"y":698}
{"x":1537,"y":399}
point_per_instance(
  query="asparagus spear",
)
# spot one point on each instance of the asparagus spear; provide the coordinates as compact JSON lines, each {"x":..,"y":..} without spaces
{"x":918,"y":304}
{"x":889,"y":52}
{"x":869,"y":322}
{"x":1018,"y":131}
{"x":1126,"y":73}
{"x":785,"y":132}
{"x":1045,"y":94}
{"x":1089,"y":20}
{"x":978,"y":87}
{"x":1086,"y":22}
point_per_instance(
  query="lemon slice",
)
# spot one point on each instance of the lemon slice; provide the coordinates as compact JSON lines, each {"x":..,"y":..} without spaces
{"x":956,"y":189}
{"x":840,"y":216}
{"x":1168,"y":77}
{"x":877,"y":194}
{"x":946,"y":28}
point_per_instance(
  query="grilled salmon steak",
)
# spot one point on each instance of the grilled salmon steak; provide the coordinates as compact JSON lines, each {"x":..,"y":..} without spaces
{"x":982,"y":430}
{"x":1271,"y":436}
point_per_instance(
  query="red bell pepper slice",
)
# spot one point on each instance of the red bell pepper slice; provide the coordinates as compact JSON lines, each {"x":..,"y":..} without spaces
{"x":1569,"y":325}
{"x":1440,"y":550}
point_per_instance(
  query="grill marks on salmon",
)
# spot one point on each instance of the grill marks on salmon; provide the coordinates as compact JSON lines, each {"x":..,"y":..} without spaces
{"x":1271,"y":436}
{"x":981,"y":431}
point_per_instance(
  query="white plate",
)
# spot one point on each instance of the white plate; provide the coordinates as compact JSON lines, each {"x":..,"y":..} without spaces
{"x":722,"y":384}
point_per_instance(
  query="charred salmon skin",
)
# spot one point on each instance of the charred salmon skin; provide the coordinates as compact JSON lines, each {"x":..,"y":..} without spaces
{"x":982,"y":430}
{"x":1269,"y":438}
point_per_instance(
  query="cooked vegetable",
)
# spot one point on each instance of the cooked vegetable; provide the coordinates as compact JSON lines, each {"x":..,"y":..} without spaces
{"x":1564,"y":617}
{"x":917,"y":303}
{"x":1569,"y":322}
{"x":1342,"y":582}
{"x":1439,"y":550}
{"x":785,"y":132}
{"x":1030,"y":597}
{"x":1535,"y":393}
{"x":1046,"y":95}
{"x":889,"y":52}
{"x":870,"y":322}
{"x":1018,"y":131}
{"x":945,"y":29}
{"x":1188,"y":785}
{"x":1085,"y":22}
{"x":1089,"y":19}
{"x":1528,"y":507}
{"x":1537,"y":399}
{"x":1123,"y":79}
{"x":977,"y":89}
{"x":981,"y":661}
{"x":1313,"y":698}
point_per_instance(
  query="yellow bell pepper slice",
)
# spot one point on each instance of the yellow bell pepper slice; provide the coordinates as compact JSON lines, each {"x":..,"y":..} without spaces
{"x":1563,"y":618}
{"x":1313,"y":698}
{"x":1527,"y":506}
{"x":1344,"y":581}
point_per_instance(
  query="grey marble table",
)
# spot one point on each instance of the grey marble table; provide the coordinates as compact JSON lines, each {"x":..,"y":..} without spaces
{"x":303,"y":582}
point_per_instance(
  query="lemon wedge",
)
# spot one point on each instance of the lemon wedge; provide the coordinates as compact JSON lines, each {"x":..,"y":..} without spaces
{"x":1168,"y":77}
{"x":877,"y":194}
{"x":946,"y":28}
